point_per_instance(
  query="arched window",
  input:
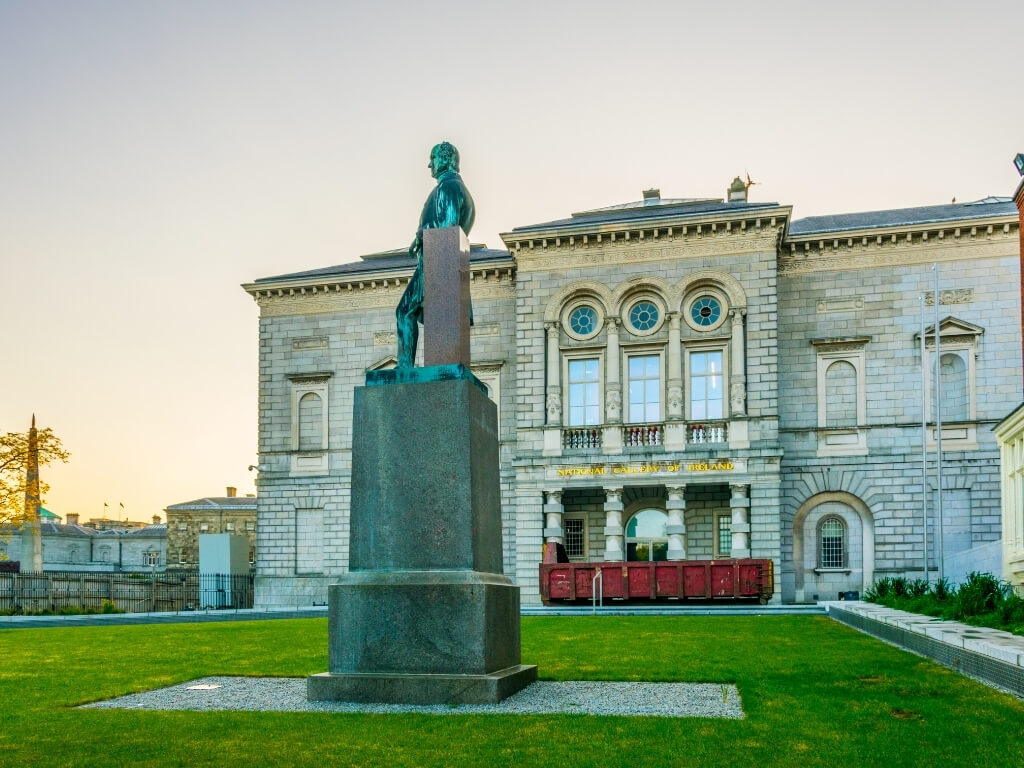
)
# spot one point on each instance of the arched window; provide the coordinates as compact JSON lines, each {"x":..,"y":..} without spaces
{"x":832,"y":543}
{"x":647,"y":535}
{"x":954,"y":388}
{"x":841,"y":395}
{"x":311,"y":437}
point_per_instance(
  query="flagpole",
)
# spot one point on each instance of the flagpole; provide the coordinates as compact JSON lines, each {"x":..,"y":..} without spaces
{"x":938,"y":428}
{"x":924,"y":439}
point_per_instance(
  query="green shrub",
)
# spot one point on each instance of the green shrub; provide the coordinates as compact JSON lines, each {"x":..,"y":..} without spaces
{"x":110,"y":607}
{"x":918,"y":587}
{"x":941,"y":589}
{"x":982,"y":593}
{"x":899,"y":586}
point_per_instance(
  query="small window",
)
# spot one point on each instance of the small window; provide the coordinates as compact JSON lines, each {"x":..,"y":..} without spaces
{"x":182,"y":526}
{"x":574,"y":529}
{"x":152,"y":558}
{"x":182,"y":555}
{"x":723,"y":535}
{"x":229,"y":526}
{"x":250,"y":525}
{"x":252,"y":555}
{"x":204,"y":527}
{"x":832,"y":539}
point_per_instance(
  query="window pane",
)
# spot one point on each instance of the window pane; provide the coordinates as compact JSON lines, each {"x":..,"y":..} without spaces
{"x":715,"y":362}
{"x":698,"y":389}
{"x":590,"y":370}
{"x":724,"y":535}
{"x":591,"y":394}
{"x":698,"y":362}
{"x":714,"y":410}
{"x":698,"y":410}
{"x":636,"y":367}
{"x":575,"y":370}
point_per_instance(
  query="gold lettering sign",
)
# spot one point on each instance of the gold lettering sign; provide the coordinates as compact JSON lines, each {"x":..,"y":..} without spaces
{"x":724,"y":465}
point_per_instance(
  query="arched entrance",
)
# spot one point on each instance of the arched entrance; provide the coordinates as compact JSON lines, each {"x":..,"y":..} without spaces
{"x":833,"y":547}
{"x":647,"y":535}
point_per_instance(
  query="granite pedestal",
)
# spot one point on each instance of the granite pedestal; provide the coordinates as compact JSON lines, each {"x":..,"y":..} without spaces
{"x":425,"y":615}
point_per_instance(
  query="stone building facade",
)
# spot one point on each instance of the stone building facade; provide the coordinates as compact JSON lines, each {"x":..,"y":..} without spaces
{"x":675,"y":379}
{"x":73,"y":547}
{"x":230,"y":513}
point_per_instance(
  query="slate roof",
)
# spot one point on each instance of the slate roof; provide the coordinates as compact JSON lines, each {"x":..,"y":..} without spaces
{"x":218,"y":502}
{"x":640,"y":210}
{"x":903,"y":217}
{"x":383,"y":262}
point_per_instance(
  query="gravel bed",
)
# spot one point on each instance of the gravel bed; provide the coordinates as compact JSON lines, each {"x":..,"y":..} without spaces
{"x":276,"y":694}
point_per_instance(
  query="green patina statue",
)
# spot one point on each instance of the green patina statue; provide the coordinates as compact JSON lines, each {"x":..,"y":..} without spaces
{"x":448,"y":204}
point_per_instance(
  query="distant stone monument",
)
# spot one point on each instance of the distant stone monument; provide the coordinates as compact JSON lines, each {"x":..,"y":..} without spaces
{"x":32,"y":541}
{"x":425,"y":614}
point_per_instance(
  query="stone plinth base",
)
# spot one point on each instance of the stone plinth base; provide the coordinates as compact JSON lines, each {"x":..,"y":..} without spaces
{"x":422,"y":622}
{"x":408,"y":688}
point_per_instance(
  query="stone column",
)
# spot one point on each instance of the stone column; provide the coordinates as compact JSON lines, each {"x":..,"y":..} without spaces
{"x":553,"y":518}
{"x":674,"y":374}
{"x":554,"y":390}
{"x":737,"y":378}
{"x":614,"y":548}
{"x":613,"y":383}
{"x":676,"y":508}
{"x":740,"y":506}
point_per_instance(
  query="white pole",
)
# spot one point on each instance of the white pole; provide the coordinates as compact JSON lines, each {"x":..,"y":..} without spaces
{"x":938,"y":428}
{"x":924,"y":439}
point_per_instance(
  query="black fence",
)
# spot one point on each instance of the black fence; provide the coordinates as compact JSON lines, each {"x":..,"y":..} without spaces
{"x":70,"y":592}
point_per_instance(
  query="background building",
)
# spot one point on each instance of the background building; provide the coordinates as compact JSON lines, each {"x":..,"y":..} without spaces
{"x":74,"y":547}
{"x":214,"y":514}
{"x":677,"y":379}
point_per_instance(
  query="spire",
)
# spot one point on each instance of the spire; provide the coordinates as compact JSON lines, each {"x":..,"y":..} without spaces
{"x":31,"y":527}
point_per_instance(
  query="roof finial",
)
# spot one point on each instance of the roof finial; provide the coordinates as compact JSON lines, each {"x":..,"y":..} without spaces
{"x":33,"y":421}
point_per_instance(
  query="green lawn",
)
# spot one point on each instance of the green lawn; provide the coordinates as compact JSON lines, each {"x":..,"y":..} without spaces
{"x":815,"y":693}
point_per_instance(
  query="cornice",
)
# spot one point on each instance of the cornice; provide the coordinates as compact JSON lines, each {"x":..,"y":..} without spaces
{"x":589,"y":234}
{"x":340,"y":293}
{"x":872,"y":249}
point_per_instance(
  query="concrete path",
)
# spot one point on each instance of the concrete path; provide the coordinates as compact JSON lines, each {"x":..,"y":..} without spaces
{"x":991,"y":655}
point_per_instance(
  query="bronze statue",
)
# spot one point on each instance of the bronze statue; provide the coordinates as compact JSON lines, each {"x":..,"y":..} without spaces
{"x":448,"y":204}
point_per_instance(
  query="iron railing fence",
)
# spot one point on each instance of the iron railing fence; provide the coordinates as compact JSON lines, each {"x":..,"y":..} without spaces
{"x":91,"y":591}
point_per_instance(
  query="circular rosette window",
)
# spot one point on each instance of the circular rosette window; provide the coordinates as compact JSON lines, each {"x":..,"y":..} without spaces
{"x":582,"y":320}
{"x":644,"y":316}
{"x":706,"y":311}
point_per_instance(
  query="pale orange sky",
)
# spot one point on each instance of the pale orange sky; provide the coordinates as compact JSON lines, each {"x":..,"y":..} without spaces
{"x":153,"y":156}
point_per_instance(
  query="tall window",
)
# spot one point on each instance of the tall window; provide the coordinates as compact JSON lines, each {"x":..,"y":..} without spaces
{"x":723,"y":534}
{"x":311,"y":422}
{"x":645,"y":388}
{"x":152,"y":558}
{"x":575,"y":531}
{"x":182,"y":555}
{"x":841,"y":395}
{"x":584,"y":389}
{"x":706,"y":385}
{"x":831,"y":537}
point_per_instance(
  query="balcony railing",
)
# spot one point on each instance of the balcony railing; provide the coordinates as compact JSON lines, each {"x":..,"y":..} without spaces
{"x":581,"y":437}
{"x":643,"y":434}
{"x":709,"y":432}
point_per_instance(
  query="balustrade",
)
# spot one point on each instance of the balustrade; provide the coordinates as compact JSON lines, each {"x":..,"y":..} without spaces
{"x":581,"y":437}
{"x":710,"y":432}
{"x":643,"y":434}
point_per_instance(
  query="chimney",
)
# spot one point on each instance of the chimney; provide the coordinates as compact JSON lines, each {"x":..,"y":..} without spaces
{"x":737,"y":191}
{"x":232,"y":492}
{"x":652,"y":196}
{"x":72,"y":518}
{"x":156,"y":519}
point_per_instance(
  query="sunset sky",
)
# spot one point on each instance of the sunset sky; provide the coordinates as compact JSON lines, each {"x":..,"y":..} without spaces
{"x":156,"y":155}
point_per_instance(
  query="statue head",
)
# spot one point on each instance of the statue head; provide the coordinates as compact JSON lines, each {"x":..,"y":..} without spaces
{"x":443,"y":157}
